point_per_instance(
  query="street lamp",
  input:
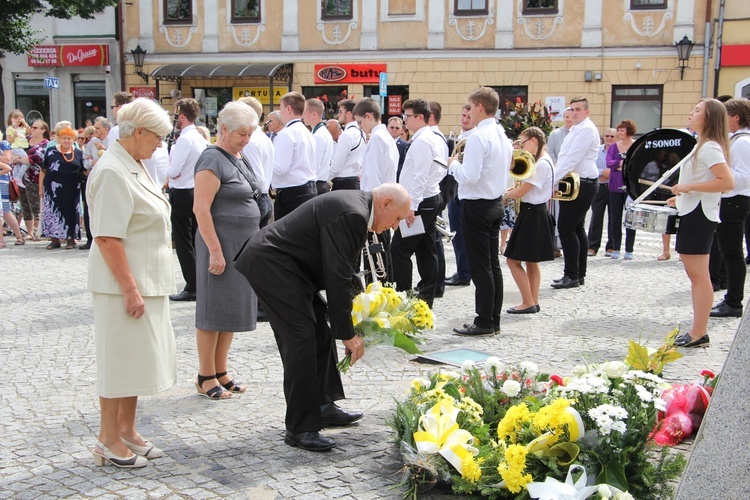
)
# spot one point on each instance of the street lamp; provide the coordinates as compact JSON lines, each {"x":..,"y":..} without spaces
{"x":684,"y":47}
{"x":139,"y":55}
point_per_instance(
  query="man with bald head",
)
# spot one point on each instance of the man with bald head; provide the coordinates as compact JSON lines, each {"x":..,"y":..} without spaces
{"x":315,"y":248}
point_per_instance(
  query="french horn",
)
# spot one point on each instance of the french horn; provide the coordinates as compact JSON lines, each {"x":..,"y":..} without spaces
{"x":522,"y":168}
{"x":568,"y":187}
{"x":458,"y":150}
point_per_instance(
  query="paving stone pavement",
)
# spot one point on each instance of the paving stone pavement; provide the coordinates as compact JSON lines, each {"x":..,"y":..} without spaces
{"x":234,"y":448}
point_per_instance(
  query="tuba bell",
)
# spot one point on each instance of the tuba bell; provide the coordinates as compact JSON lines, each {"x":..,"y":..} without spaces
{"x":522,"y":168}
{"x":458,"y":149}
{"x":568,"y":187}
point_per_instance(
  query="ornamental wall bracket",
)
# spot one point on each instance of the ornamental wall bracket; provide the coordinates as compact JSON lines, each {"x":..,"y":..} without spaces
{"x":179,"y":38}
{"x":647,"y":28}
{"x":537,"y":26}
{"x":245,"y":38}
{"x":471,"y":29}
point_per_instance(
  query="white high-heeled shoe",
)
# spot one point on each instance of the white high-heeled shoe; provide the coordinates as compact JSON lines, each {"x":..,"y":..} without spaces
{"x":100,"y":458}
{"x":148,"y":450}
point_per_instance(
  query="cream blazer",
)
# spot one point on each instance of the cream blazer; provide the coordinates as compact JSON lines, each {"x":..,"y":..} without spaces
{"x":125,"y":203}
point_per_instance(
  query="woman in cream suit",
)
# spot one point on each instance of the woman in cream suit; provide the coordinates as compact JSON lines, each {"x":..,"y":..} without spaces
{"x":130,"y":277}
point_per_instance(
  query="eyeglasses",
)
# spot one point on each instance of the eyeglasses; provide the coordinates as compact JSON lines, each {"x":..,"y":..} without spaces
{"x":406,"y":117}
{"x":610,"y":136}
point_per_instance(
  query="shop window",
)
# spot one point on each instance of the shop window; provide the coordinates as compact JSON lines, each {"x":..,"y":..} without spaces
{"x":211,"y":101}
{"x":336,"y":9}
{"x":536,"y":7}
{"x":178,"y":11}
{"x":90,"y":101}
{"x":33,"y":100}
{"x":245,"y":11}
{"x":648,"y":4}
{"x":397,"y":96}
{"x":640,"y":103}
{"x":330,"y":96}
{"x":510,"y":96}
{"x":470,"y":7}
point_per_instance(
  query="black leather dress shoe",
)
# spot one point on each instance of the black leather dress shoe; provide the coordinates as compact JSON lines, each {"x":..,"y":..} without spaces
{"x":333,"y":415}
{"x":725,"y":311}
{"x":565,"y":282}
{"x":310,"y":441}
{"x":528,"y":310}
{"x":558,"y":280}
{"x":580,"y":281}
{"x":685,"y":340}
{"x":456,"y":281}
{"x":718,"y":305}
{"x":468,"y":325}
{"x":473,"y":330}
{"x":87,"y":246}
{"x":183,"y":296}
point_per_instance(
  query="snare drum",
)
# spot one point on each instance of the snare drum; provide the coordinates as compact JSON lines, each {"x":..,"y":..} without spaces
{"x":652,"y":219}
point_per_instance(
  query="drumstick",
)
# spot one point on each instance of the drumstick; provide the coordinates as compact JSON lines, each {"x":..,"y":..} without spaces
{"x":652,"y":202}
{"x":651,"y":183}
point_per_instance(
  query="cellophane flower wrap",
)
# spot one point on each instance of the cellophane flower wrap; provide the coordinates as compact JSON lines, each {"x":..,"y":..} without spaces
{"x":507,"y":430}
{"x":383,"y":316}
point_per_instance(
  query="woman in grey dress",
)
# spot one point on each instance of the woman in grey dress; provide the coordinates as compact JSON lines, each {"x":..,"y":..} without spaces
{"x":227,"y":213}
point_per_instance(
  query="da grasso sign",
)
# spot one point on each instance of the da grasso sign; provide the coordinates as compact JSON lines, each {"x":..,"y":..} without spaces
{"x":349,"y":73}
{"x":69,"y":55}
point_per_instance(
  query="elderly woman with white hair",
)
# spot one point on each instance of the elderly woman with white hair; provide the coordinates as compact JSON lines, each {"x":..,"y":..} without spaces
{"x":226,"y":208}
{"x":130,"y":277}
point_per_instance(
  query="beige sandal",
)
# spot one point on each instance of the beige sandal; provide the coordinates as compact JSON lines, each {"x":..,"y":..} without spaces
{"x":664,"y":256}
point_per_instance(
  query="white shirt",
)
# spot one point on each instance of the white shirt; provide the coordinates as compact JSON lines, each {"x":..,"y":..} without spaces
{"x":485,"y":172}
{"x":542,"y":182}
{"x":436,"y":130}
{"x":601,"y":161}
{"x":184,"y":155}
{"x":381,"y":159}
{"x":579,"y":151}
{"x":420,"y":175}
{"x":260,"y":152}
{"x":158,"y":164}
{"x":114,"y":134}
{"x":739,"y":157}
{"x":91,"y":153}
{"x":466,"y":133}
{"x":692,"y":171}
{"x":324,"y":147}
{"x":294,"y":156}
{"x":347,"y":159}
{"x":554,"y":143}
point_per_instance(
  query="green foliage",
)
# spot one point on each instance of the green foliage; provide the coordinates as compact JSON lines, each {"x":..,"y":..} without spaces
{"x":524,"y":115}
{"x":15,"y":18}
{"x":649,"y":473}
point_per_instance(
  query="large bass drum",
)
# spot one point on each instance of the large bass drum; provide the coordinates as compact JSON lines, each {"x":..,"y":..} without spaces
{"x":647,"y":160}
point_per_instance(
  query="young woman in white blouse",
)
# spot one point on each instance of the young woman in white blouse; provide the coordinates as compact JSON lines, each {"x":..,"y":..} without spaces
{"x":531,"y":239}
{"x":704,"y":175}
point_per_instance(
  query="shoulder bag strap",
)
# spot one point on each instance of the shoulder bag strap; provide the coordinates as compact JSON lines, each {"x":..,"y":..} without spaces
{"x":256,"y":191}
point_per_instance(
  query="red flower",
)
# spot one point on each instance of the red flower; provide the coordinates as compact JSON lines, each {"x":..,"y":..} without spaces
{"x":673,"y":429}
{"x":557,"y":379}
{"x":708,"y":373}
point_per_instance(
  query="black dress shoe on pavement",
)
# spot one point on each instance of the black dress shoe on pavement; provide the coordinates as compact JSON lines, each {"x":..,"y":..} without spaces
{"x":456,"y":281}
{"x":565,"y":282}
{"x":474,"y":330}
{"x":87,"y":246}
{"x":725,"y":311}
{"x":183,"y":296}
{"x":468,"y":325}
{"x":580,"y":281}
{"x":558,"y":280}
{"x":333,"y":415}
{"x":685,"y":340}
{"x":528,"y":310}
{"x":310,"y":441}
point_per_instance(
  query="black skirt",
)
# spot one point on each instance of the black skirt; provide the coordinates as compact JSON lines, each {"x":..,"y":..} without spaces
{"x":531,"y":238}
{"x":696,"y":233}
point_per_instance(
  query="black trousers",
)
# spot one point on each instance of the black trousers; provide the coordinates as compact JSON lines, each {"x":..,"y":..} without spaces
{"x":344,"y":183}
{"x":86,"y":223}
{"x":322,"y":187}
{"x":299,"y":319}
{"x":570,"y":225}
{"x":596,"y":225}
{"x":616,"y":207}
{"x":421,"y":245}
{"x":730,"y":232}
{"x":184,"y":226}
{"x":480,"y":221}
{"x":289,"y":198}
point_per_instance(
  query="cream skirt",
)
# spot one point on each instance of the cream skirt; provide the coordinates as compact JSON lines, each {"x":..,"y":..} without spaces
{"x":134,"y":357}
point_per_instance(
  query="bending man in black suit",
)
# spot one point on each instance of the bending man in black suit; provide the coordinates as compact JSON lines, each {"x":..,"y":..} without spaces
{"x":315,"y":248}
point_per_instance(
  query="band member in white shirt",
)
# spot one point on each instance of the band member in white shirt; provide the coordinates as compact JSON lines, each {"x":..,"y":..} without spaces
{"x":259,"y":151}
{"x":313,"y":118}
{"x":294,"y":172}
{"x":182,"y":159}
{"x":346,"y":164}
{"x":578,"y":154}
{"x":735,"y":207}
{"x":482,"y":179}
{"x":421,"y":176}
{"x":531,"y":239}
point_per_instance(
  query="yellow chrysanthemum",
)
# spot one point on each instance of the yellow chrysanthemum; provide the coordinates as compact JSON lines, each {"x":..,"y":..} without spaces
{"x":554,"y":417}
{"x":471,"y":470}
{"x":515,"y":418}
{"x":512,"y":470}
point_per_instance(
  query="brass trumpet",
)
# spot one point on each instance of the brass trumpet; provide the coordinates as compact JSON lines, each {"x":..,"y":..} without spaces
{"x":441,"y":226}
{"x":522,"y":168}
{"x":568,"y":187}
